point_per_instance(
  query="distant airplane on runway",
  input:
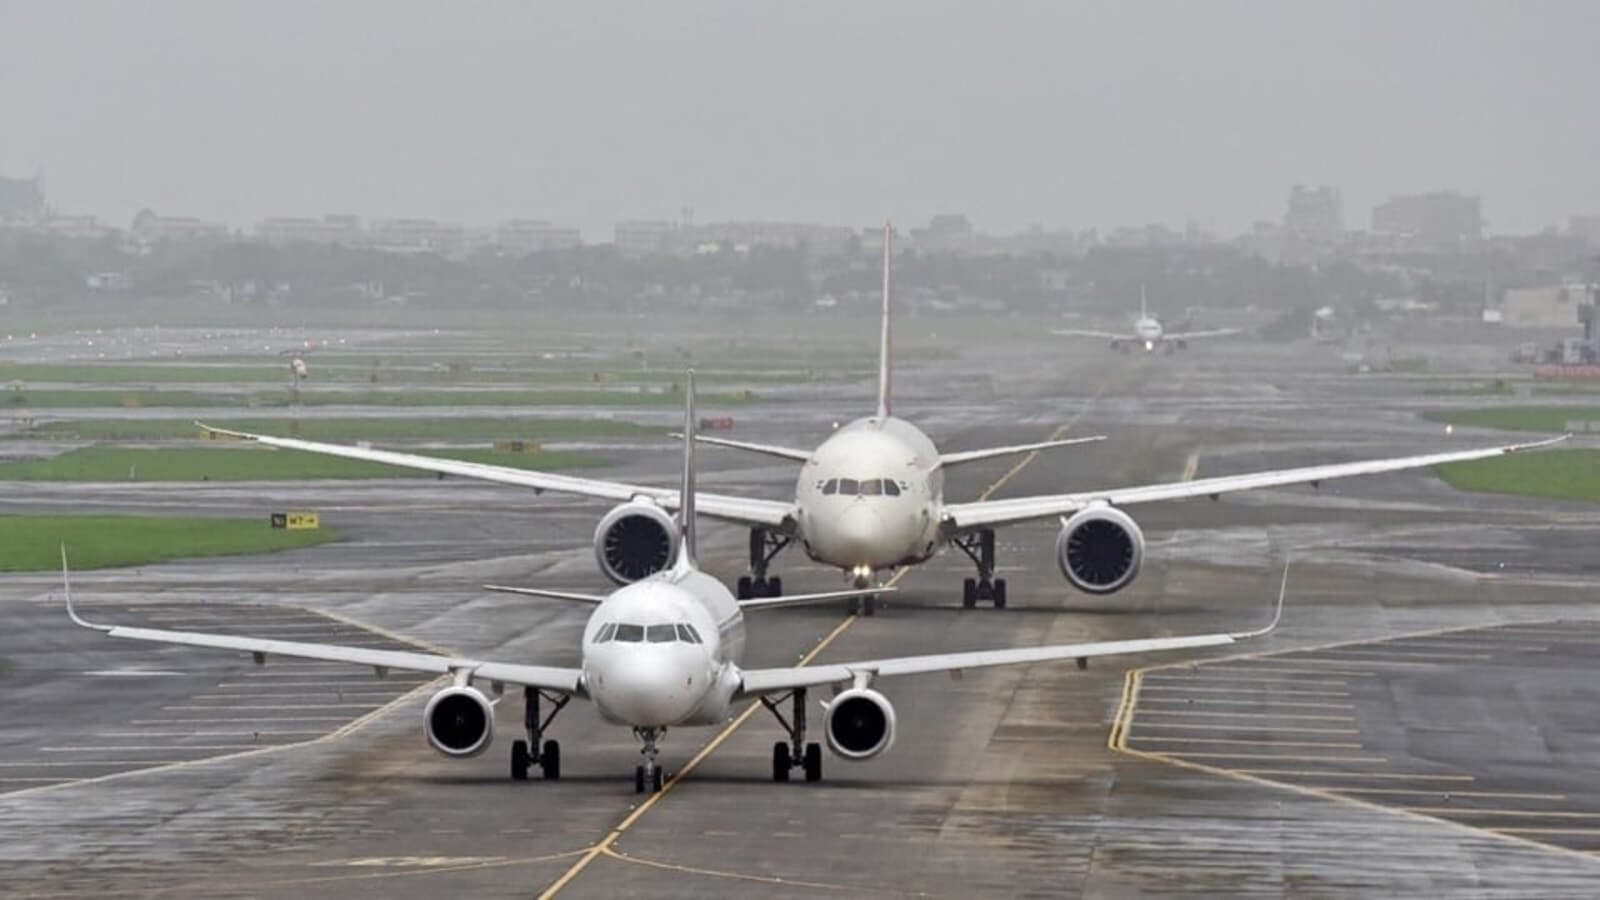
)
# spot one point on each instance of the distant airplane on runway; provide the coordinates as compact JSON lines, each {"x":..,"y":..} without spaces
{"x":660,"y":653}
{"x":1148,"y":333}
{"x":871,"y":498}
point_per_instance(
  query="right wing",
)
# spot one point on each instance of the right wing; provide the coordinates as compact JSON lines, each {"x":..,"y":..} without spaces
{"x":1104,"y":335}
{"x":961,"y":517}
{"x":966,"y":456}
{"x":743,"y":510}
{"x":1191,"y":335}
{"x":756,"y":682}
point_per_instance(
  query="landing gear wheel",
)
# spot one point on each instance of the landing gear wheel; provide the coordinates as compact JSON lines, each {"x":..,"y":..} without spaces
{"x":519,"y":760}
{"x":781,"y":763}
{"x":999,"y":593}
{"x":774,"y":586}
{"x":550,"y":761}
{"x":969,"y":593}
{"x":655,"y":780}
{"x":745,"y":586}
{"x":638,"y":779}
{"x":869,"y":606}
{"x":813,"y":762}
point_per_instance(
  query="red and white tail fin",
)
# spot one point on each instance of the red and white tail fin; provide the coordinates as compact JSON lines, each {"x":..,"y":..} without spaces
{"x":884,"y":345}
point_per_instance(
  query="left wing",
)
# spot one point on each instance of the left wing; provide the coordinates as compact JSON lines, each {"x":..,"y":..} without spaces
{"x":960,"y":517}
{"x":766,"y":449}
{"x":568,"y":596}
{"x":550,"y":678}
{"x":1104,"y":335}
{"x":1191,"y":335}
{"x":755,"y":682}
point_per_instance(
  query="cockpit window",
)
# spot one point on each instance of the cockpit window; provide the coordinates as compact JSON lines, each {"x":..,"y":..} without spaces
{"x":831,"y":486}
{"x":631,"y":634}
{"x":688,"y":634}
{"x":890,"y":488}
{"x":605,"y":632}
{"x":660,"y":634}
{"x":872,"y":487}
{"x":849,"y":487}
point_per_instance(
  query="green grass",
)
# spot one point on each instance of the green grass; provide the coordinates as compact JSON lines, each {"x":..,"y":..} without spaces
{"x":358,"y":370}
{"x":33,"y":543}
{"x":1499,"y":387}
{"x":1547,"y":419}
{"x":1562,"y":474}
{"x":234,"y":463}
{"x":68,"y":398}
{"x":374,"y":429}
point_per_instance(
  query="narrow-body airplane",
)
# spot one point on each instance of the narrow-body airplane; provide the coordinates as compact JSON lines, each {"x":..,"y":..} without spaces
{"x":660,"y":653}
{"x":1148,"y":333}
{"x":871,"y":498}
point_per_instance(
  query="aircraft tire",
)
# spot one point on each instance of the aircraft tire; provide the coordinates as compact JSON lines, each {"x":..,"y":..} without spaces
{"x":781,"y":763}
{"x":969,"y":593}
{"x":519,"y":760}
{"x":813,"y":762}
{"x":550,"y":761}
{"x":999,"y":593}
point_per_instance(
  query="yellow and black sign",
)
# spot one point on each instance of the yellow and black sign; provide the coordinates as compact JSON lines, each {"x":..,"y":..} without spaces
{"x":296,"y":521}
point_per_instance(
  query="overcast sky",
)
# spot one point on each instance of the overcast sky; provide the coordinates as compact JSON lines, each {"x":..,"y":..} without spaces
{"x":1066,"y":114}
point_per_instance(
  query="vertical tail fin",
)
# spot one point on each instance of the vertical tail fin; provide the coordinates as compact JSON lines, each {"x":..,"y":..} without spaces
{"x":1144,"y":312}
{"x":884,"y":342}
{"x":686,"y":526}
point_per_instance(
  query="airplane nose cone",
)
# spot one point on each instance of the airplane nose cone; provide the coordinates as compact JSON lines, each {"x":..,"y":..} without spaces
{"x":858,"y":537}
{"x":648,"y":685}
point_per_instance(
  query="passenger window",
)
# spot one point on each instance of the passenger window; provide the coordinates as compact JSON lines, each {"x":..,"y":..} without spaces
{"x":849,"y":487}
{"x":631,"y":634}
{"x":890,"y":488}
{"x":605,"y":633}
{"x":687,"y":635}
{"x":831,"y":486}
{"x":661,"y":634}
{"x":872,"y":487}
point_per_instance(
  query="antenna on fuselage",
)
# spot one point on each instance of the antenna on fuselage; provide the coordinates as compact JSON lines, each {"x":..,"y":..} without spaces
{"x":884,"y":342}
{"x":686,"y":528}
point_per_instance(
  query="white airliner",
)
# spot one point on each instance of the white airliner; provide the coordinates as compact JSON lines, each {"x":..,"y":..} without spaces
{"x":871,"y":498}
{"x":1148,"y":333}
{"x":660,"y":653}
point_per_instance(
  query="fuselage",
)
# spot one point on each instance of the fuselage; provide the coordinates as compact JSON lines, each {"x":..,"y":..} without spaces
{"x":869,"y":498}
{"x":1148,"y":331}
{"x":664,"y":651}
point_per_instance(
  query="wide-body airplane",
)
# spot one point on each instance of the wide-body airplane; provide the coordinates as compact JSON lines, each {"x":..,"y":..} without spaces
{"x":660,"y":653}
{"x":871,"y":498}
{"x":1148,"y":333}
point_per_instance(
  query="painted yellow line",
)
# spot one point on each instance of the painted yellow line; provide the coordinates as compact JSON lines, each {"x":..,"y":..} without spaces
{"x":1166,"y":688}
{"x":1288,"y":757}
{"x":1299,"y":704}
{"x":1474,"y":812}
{"x":1257,"y":675}
{"x":1310,"y":717}
{"x":853,"y":890}
{"x":1233,"y":729}
{"x":1249,"y":742}
{"x":1447,"y":792}
{"x":603,"y":847}
{"x":1553,"y":832}
{"x":1323,"y":773}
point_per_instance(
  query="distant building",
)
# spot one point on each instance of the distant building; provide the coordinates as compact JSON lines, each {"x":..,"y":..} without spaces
{"x":945,"y":233}
{"x":80,"y":227}
{"x":21,"y":200}
{"x":150,"y":228}
{"x":1314,"y":213}
{"x":328,"y":230}
{"x":639,"y":237}
{"x":1443,"y":217}
{"x":1585,"y":228}
{"x":520,"y":237}
{"x":1554,"y":306}
{"x":743,"y":236}
{"x":417,"y":236}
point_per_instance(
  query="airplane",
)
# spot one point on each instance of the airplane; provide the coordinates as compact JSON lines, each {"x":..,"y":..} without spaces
{"x":1148,"y":333}
{"x":659,"y":653}
{"x":870,"y":498}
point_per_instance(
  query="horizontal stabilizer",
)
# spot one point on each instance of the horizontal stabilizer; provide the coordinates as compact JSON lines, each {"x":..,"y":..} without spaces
{"x":569,"y":596}
{"x":954,"y":459}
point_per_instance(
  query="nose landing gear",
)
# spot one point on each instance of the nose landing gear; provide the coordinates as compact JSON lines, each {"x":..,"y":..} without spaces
{"x":979,"y":547}
{"x":647,"y":776}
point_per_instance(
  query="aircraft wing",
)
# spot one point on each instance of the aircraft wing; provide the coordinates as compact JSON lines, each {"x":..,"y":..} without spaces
{"x":960,"y":517}
{"x":966,"y":456}
{"x":767,"y":449}
{"x":756,"y":682}
{"x":743,"y":510}
{"x":1103,"y":335}
{"x":1191,"y":335}
{"x":549,"y":678}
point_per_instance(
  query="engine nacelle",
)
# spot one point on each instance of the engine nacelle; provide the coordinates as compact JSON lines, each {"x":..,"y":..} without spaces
{"x":1100,"y":550}
{"x":634,"y":541}
{"x":859,"y":724}
{"x":459,"y":722}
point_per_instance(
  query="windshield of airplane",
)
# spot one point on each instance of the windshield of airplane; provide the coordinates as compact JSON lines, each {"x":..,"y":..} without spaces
{"x":649,"y":634}
{"x":867,"y":487}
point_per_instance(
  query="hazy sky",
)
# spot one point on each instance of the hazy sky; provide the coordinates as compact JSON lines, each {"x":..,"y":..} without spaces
{"x":845,"y":112}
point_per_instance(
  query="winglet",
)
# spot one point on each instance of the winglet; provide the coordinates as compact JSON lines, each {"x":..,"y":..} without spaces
{"x":884,"y":342}
{"x":1277,"y":613}
{"x":686,"y":526}
{"x":66,"y":590}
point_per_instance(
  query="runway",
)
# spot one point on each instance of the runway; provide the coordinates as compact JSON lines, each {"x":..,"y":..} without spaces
{"x":1393,"y":660}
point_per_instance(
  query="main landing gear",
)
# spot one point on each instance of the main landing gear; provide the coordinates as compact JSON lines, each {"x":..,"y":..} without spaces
{"x":764,"y":547}
{"x":979,"y":547}
{"x":647,"y":776}
{"x":796,"y":752}
{"x":535,"y":750}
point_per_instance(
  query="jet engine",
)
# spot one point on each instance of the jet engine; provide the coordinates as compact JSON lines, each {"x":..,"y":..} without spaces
{"x":1100,"y":549}
{"x":634,"y":541}
{"x":859,"y":724}
{"x":459,"y":721}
